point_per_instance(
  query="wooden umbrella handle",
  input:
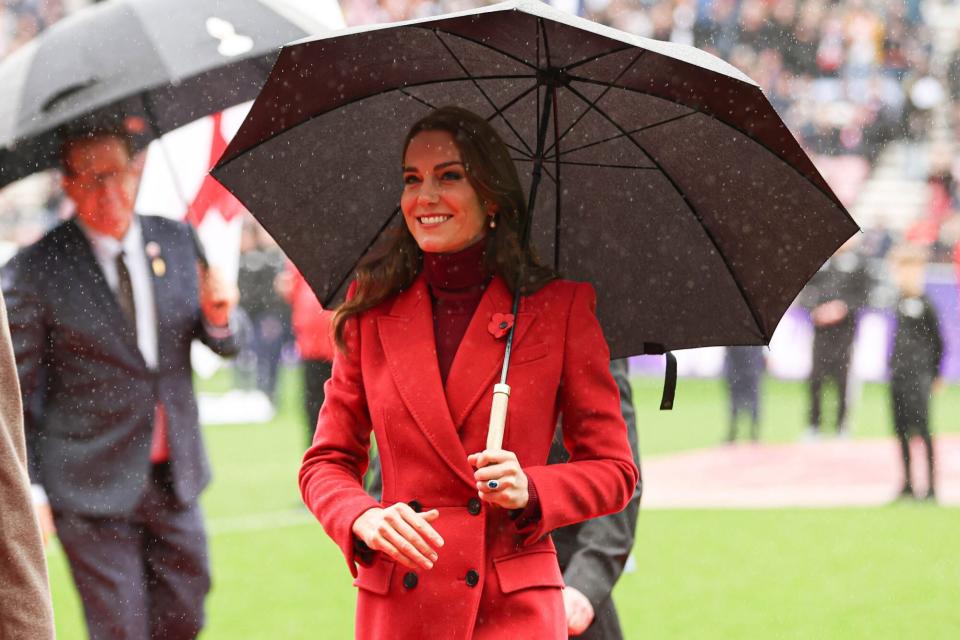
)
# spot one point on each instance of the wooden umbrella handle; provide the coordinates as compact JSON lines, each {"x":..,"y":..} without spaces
{"x":498,"y":416}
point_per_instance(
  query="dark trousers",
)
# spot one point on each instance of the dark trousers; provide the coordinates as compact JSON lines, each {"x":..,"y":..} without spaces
{"x":832,"y":350}
{"x":315,"y":375}
{"x":141,"y":577}
{"x":745,"y":400}
{"x":268,"y":336}
{"x":816,"y":393}
{"x":910,"y":395}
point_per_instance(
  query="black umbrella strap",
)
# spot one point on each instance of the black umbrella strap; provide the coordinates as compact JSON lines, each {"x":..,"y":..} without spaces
{"x":669,"y":382}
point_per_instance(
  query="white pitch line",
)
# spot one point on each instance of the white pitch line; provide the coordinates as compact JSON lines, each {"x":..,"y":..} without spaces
{"x":267,"y":521}
{"x":259,"y":522}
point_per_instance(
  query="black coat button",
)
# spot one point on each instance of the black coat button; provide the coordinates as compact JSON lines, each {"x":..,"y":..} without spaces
{"x":415,"y":505}
{"x":410,"y":580}
{"x":472,"y":578}
{"x":474,"y":506}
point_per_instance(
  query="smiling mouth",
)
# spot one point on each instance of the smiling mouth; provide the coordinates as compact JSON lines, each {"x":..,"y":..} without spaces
{"x":433,"y":220}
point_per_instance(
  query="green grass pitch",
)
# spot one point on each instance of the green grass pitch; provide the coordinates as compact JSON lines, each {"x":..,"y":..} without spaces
{"x":891,"y":572}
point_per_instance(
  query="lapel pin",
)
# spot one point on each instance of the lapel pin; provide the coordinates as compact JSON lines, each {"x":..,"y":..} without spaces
{"x":159,"y":267}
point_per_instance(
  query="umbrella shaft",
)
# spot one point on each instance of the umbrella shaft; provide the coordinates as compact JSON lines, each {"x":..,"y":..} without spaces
{"x":528,"y":222}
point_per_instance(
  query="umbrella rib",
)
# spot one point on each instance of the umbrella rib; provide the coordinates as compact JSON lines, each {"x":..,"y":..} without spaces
{"x":417,"y":98}
{"x":485,"y":45}
{"x":224,"y":163}
{"x":574,"y":65}
{"x":550,"y":175}
{"x":631,"y":132}
{"x":600,"y":165}
{"x":830,"y":196}
{"x":527,"y":157}
{"x":593,"y":105}
{"x":693,"y":210}
{"x":326,"y":303}
{"x":436,"y":32}
{"x":500,"y":112}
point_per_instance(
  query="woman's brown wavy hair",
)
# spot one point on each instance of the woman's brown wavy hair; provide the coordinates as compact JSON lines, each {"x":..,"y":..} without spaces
{"x":395,"y":264}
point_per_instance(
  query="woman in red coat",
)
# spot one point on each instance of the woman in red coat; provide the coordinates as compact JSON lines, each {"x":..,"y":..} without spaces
{"x":459,"y":546}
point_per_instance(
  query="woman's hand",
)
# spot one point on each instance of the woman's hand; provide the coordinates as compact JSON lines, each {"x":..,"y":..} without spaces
{"x":509,"y":482}
{"x":401,"y":533}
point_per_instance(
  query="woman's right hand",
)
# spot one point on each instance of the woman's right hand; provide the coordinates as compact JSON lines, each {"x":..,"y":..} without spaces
{"x":401,"y":533}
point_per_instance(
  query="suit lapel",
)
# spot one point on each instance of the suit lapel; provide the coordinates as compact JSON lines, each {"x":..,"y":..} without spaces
{"x":90,"y":276}
{"x":479,"y":358}
{"x":411,"y":353}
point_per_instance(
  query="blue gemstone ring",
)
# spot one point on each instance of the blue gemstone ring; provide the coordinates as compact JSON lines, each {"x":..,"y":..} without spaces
{"x":492,"y":484}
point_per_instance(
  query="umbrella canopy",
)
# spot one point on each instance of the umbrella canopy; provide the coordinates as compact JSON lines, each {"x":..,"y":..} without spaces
{"x":668,"y":179}
{"x":167,"y":62}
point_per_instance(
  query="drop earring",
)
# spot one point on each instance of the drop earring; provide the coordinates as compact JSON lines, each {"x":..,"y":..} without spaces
{"x":493,"y":222}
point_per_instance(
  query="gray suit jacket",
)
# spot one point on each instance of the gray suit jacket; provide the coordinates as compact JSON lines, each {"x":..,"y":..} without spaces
{"x":592,"y":554}
{"x":89,"y":397}
{"x":24,"y":593}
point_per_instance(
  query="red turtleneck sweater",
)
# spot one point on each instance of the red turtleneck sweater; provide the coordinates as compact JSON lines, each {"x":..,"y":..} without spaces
{"x":457,"y":282}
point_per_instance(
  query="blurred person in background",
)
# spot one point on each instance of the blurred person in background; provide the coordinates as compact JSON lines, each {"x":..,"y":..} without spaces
{"x":103,"y":310}
{"x":25,"y":610}
{"x":914,"y":362}
{"x":311,"y":328}
{"x":743,"y":372}
{"x":261,"y":268}
{"x":834,"y":296}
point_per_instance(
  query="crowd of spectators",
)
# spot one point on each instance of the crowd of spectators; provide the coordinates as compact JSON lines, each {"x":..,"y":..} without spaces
{"x":22,"y":20}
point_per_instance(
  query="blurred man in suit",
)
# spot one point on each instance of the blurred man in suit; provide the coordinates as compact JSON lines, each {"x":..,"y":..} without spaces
{"x":24,"y":593}
{"x":592,"y":554}
{"x":834,"y":296}
{"x":103,"y":310}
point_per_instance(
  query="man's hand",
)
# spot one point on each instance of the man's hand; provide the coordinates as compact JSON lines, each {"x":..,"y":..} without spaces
{"x":829,"y":313}
{"x":45,"y":519}
{"x":218,"y":296}
{"x":579,"y":611}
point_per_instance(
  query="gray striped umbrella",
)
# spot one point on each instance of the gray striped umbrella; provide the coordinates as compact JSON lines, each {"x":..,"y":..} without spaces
{"x":156,"y":64}
{"x":667,"y":179}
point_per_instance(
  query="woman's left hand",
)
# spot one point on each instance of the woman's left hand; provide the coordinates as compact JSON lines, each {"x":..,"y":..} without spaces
{"x":509,"y":480}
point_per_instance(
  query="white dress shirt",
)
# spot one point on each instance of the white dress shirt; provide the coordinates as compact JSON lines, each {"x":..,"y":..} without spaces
{"x":105,"y":250}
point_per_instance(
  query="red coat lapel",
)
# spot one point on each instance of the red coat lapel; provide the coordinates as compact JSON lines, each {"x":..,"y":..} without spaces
{"x":479,"y":358}
{"x":411,"y":354}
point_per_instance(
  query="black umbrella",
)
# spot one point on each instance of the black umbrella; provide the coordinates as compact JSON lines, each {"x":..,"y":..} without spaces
{"x":162,"y":63}
{"x":669,"y":181}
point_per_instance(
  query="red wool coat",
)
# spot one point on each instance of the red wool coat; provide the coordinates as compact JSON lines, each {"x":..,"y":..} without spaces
{"x":491,"y":580}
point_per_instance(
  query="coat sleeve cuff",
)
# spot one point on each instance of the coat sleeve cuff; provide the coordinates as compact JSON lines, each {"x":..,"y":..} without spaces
{"x":354,"y":549}
{"x":526,"y":519}
{"x":363,"y":554}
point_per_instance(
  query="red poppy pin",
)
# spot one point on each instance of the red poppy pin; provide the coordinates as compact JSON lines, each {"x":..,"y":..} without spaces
{"x":500,"y":324}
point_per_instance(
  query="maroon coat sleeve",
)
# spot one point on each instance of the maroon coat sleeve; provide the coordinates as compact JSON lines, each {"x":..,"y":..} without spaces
{"x":600,"y":476}
{"x":332,"y":468}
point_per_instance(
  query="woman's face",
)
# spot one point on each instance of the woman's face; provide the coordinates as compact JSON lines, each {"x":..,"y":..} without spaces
{"x":440,"y":207}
